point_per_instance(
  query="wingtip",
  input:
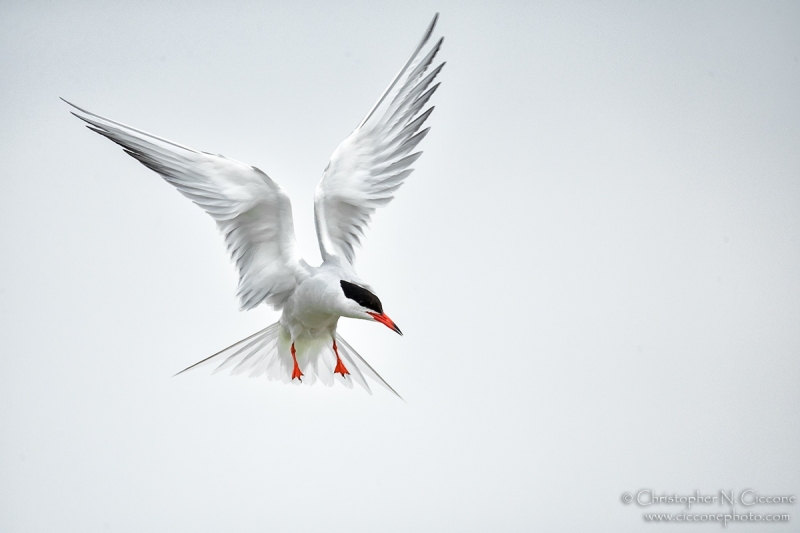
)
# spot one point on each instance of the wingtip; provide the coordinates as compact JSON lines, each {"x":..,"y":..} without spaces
{"x":431,"y":26}
{"x":421,"y":44}
{"x":187,"y":368}
{"x":82,"y":110}
{"x":69,"y":103}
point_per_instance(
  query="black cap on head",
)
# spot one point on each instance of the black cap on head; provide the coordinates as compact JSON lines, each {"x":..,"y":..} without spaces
{"x":361,"y":296}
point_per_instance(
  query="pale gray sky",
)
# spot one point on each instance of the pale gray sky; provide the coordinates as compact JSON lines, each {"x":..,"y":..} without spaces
{"x":596,"y":266}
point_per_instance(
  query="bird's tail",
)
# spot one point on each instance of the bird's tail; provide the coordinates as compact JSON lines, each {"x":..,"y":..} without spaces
{"x":268,"y":353}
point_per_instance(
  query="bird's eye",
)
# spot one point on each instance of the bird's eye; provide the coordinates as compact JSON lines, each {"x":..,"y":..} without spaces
{"x":361,"y":296}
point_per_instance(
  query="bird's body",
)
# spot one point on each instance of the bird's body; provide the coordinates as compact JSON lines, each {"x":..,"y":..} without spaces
{"x":255,"y":216}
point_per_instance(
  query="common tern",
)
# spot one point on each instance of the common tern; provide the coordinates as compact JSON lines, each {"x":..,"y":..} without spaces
{"x":255,"y":216}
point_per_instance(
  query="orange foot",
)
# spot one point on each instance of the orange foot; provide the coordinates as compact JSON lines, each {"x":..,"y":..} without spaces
{"x":340,"y":369}
{"x":296,"y":370}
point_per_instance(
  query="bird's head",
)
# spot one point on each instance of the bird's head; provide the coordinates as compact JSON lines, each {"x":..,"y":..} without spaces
{"x":364,"y":304}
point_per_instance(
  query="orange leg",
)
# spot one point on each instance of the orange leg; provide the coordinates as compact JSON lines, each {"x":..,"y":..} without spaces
{"x":340,"y":369}
{"x":296,"y":370}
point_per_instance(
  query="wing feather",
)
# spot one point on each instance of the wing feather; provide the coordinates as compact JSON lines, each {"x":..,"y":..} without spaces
{"x":368,"y":167}
{"x":252,"y":211}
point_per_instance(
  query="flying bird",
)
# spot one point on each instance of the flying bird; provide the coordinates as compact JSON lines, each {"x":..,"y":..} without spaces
{"x":255,"y":217}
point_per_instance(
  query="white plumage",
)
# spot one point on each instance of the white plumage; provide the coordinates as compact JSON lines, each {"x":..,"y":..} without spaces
{"x":255,"y":216}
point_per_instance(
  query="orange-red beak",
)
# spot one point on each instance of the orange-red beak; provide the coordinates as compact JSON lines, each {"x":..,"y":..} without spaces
{"x":386,"y":321}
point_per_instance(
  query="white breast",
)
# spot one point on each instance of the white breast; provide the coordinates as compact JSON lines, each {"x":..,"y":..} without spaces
{"x":313,"y":310}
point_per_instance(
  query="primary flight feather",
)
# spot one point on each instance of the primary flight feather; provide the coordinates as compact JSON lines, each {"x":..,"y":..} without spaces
{"x":255,"y":217}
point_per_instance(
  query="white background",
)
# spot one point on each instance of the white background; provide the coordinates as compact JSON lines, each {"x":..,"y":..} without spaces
{"x":596,"y":266}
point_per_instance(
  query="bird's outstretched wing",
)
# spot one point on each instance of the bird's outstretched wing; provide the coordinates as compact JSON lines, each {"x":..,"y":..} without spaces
{"x":251,"y":210}
{"x":371,"y":164}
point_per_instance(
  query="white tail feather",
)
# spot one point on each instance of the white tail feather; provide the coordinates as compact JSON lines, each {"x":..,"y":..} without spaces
{"x":268,"y":353}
